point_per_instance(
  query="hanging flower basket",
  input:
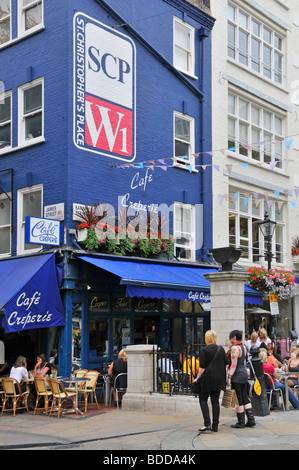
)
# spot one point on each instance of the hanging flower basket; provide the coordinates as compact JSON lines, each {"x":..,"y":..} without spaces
{"x":277,"y":281}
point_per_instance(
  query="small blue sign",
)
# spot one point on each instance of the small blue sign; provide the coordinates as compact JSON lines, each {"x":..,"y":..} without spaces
{"x":43,"y":231}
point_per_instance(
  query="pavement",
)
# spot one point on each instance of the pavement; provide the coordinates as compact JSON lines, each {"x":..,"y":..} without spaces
{"x":109,"y":429}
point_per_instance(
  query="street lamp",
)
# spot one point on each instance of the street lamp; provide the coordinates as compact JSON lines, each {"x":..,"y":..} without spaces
{"x":267,"y":228}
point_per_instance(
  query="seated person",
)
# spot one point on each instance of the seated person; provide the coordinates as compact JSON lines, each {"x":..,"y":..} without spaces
{"x":118,"y":367}
{"x":271,"y":358}
{"x":42,"y":367}
{"x":270,"y":370}
{"x":293,"y":366}
{"x":19,"y":372}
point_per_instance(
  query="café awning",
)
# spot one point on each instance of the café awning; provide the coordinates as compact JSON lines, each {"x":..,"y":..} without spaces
{"x":164,"y":280}
{"x":29,"y":293}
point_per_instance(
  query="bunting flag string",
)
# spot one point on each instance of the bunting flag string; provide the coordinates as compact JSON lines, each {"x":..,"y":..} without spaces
{"x":258,"y":197}
{"x":160,"y":162}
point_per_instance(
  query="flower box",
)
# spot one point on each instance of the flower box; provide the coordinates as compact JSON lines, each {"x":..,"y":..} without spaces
{"x":81,"y":235}
{"x":295,"y":259}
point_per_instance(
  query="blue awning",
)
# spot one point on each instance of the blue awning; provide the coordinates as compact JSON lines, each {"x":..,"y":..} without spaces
{"x":168,"y":281}
{"x":29,"y":293}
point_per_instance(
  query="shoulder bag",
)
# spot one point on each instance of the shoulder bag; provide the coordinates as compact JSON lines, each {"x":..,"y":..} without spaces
{"x":196,"y":385}
{"x":257,"y":386}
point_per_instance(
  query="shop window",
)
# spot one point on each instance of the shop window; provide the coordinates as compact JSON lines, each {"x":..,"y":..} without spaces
{"x":98,"y":337}
{"x":99,"y":303}
{"x":5,"y":225}
{"x":76,"y":333}
{"x":5,"y":118}
{"x":29,"y":204}
{"x":121,"y":334}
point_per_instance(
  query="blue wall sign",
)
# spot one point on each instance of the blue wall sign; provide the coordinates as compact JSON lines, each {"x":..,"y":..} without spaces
{"x":43,"y":231}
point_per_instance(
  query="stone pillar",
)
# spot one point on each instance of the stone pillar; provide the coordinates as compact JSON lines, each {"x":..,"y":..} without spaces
{"x":141,"y":375}
{"x":227,"y":303}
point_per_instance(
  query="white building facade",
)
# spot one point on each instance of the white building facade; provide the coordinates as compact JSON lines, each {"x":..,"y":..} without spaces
{"x":255,"y":154}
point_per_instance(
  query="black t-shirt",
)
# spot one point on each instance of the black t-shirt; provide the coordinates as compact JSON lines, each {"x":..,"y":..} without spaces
{"x":213,"y":378}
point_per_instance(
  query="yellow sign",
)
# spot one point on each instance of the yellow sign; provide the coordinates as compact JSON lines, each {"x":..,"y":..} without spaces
{"x":166,"y":387}
{"x":272,"y":298}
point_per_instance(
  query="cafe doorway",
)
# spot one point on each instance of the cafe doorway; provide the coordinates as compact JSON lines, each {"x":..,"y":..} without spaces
{"x":146,"y":330}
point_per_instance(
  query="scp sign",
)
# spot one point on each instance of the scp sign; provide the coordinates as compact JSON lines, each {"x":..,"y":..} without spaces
{"x":104,"y":89}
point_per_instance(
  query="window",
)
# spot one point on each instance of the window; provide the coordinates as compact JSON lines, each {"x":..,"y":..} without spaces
{"x":5,"y":22}
{"x":29,"y":204}
{"x":31,"y":111}
{"x":184,"y":139}
{"x":184,"y":230}
{"x":5,"y":120}
{"x":183,"y":47}
{"x":254,"y":44}
{"x":255,"y":132}
{"x":5,"y":225}
{"x":30,"y":15}
{"x":245,"y":213}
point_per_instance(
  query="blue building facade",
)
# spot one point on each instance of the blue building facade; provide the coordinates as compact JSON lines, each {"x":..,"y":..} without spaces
{"x":109,"y":104}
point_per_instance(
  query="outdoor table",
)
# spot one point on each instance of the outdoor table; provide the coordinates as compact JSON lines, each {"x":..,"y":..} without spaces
{"x":286,"y":376}
{"x":76,"y":381}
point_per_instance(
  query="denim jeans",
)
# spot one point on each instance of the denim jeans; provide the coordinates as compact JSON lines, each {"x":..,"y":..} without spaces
{"x":293,"y":400}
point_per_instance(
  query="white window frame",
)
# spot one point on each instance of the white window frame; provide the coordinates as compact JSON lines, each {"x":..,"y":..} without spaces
{"x":179,"y":161}
{"x":22,"y":117}
{"x":22,"y":9}
{"x":4,"y":96}
{"x":181,"y":232}
{"x":189,"y":51}
{"x":7,"y":197}
{"x":268,"y":147}
{"x":21,"y":222}
{"x":257,"y":63}
{"x":235,"y":210}
{"x":5,"y":19}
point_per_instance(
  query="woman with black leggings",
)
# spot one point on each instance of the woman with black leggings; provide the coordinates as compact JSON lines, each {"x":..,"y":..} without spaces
{"x":238,"y":378}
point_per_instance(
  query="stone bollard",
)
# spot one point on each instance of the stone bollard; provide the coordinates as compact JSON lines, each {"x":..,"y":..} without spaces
{"x":259,"y":403}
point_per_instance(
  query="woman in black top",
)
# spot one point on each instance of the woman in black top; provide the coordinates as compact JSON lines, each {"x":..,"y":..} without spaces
{"x":118,"y":367}
{"x":213,"y":379}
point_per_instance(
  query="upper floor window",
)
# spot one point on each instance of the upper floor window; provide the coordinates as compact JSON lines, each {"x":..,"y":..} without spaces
{"x":30,"y":14}
{"x":245,"y":213}
{"x":5,"y":22}
{"x":255,"y":44}
{"x":184,"y":139}
{"x":5,"y":120}
{"x":30,"y":203}
{"x":5,"y":225}
{"x":183,"y":46}
{"x":31,"y":111}
{"x":254,"y":131}
{"x":184,"y":231}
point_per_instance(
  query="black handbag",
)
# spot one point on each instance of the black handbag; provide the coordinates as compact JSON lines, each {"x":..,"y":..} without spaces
{"x":196,"y":385}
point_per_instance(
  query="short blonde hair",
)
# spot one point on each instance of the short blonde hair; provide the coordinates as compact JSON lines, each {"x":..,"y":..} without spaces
{"x":263,"y":356}
{"x":122,"y":355}
{"x":211,"y":337}
{"x":254,"y":336}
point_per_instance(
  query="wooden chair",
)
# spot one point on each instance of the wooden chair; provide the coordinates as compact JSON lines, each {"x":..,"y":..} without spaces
{"x":12,"y":389}
{"x":42,"y":391}
{"x":77,"y":373}
{"x":89,"y":387}
{"x":61,"y":395}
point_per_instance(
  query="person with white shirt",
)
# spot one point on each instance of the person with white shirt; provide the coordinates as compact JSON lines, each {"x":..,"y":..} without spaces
{"x":19,"y":371}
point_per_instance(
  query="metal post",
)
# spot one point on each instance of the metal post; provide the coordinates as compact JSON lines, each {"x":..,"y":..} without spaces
{"x":259,"y":402}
